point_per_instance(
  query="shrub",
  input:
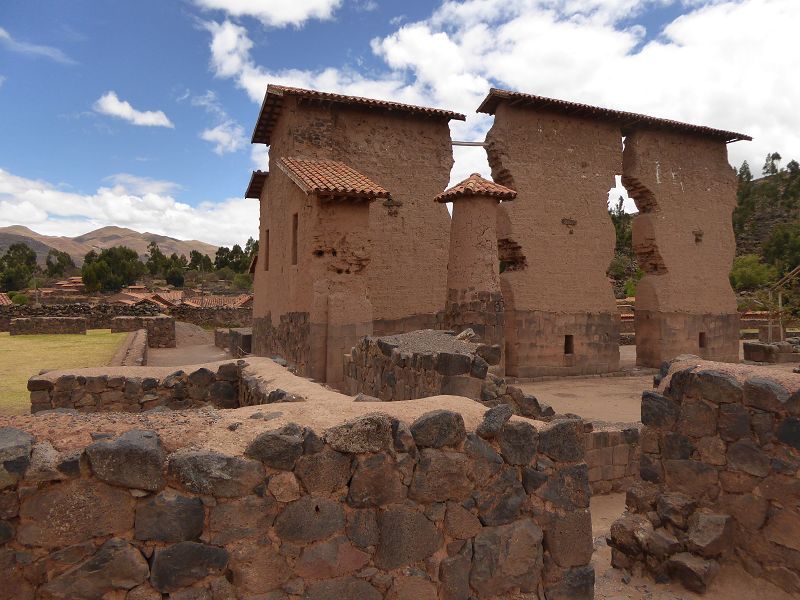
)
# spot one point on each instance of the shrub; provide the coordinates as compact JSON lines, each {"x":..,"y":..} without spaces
{"x":749,"y":273}
{"x":242,"y":281}
{"x":19,"y":299}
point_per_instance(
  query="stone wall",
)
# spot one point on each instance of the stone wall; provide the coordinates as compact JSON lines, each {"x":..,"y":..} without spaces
{"x":774,"y":353}
{"x":133,"y":351}
{"x":138,"y":391}
{"x":289,"y":338}
{"x":48,"y":325}
{"x":213,"y":317}
{"x":240,"y":341}
{"x":369,"y":509}
{"x":612,"y":454}
{"x":160,"y":329}
{"x":222,"y":337}
{"x":97,"y":316}
{"x":720,"y":477}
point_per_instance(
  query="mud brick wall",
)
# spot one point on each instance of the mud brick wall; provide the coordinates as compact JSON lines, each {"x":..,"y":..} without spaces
{"x":213,"y":317}
{"x":160,"y":329}
{"x":612,"y":455}
{"x":720,"y":471}
{"x":97,"y":316}
{"x":138,"y":391}
{"x":370,"y":509}
{"x":51,"y":325}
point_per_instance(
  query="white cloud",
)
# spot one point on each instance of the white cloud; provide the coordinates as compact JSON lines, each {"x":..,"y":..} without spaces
{"x":275,"y":13}
{"x":139,"y":203}
{"x":260,"y":157}
{"x":33,"y":49}
{"x":227,"y":137}
{"x":110,"y":104}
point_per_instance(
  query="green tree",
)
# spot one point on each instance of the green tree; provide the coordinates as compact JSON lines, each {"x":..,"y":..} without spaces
{"x":622,"y":227}
{"x":111,"y":269}
{"x":200,"y":262}
{"x":749,"y":273}
{"x":17,"y":266}
{"x":782,"y":248}
{"x":770,"y":164}
{"x":58,"y":263}
{"x":242,"y":281}
{"x":222,"y":258}
{"x":175,"y":277}
{"x":156,"y":260}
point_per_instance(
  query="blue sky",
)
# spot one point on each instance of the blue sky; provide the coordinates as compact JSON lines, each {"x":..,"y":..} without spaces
{"x":140,"y":113}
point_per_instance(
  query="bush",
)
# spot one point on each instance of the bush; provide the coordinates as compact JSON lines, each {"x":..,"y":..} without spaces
{"x":226,"y":273}
{"x":175,"y":277}
{"x":19,"y":299}
{"x":242,"y":281}
{"x":749,"y":273}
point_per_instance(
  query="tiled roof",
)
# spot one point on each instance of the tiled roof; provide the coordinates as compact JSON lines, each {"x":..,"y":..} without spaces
{"x":4,"y":299}
{"x":330,"y":178}
{"x":273,"y":104}
{"x":475,"y":185}
{"x":219,"y":301}
{"x":627,"y":121}
{"x":257,"y":180}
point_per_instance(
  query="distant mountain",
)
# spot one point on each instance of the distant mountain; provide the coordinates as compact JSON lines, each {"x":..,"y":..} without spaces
{"x":99,"y":239}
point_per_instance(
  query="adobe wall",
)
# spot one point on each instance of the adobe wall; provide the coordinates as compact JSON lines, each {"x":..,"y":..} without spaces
{"x":160,"y":329}
{"x":341,"y":502}
{"x":556,"y":240}
{"x":47,"y":325}
{"x":685,"y":192}
{"x":410,"y":157}
{"x":720,"y":477}
{"x":474,"y":299}
{"x":97,"y":316}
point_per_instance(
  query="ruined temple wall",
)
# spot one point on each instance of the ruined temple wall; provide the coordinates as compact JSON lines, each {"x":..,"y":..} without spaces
{"x":411,"y":157}
{"x":556,"y":240}
{"x":685,"y":191}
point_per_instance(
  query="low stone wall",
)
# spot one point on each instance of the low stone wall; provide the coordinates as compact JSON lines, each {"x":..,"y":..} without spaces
{"x":612,"y":454}
{"x":213,"y":317}
{"x":427,"y":363}
{"x":160,"y":329}
{"x":368,"y":509}
{"x":720,"y":471}
{"x":240,"y":341}
{"x":97,"y":316}
{"x":775,"y":353}
{"x":133,"y":351}
{"x":48,"y":325}
{"x":138,"y":391}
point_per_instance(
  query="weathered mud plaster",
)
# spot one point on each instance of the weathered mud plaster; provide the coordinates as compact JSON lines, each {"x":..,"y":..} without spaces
{"x":405,"y":150}
{"x":556,"y":240}
{"x":685,"y":191}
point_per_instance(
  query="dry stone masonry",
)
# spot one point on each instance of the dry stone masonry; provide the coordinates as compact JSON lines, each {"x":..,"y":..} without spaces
{"x":370,"y":508}
{"x":160,"y":329}
{"x":48,"y":325}
{"x":720,"y":478}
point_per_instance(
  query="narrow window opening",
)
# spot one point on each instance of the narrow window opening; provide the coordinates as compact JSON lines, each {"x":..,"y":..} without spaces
{"x":294,"y":239}
{"x":702,"y":340}
{"x":569,"y":344}
{"x":266,"y":250}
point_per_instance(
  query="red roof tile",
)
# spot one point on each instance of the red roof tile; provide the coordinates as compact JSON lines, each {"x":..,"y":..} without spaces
{"x":627,"y":121}
{"x":475,"y":185}
{"x":331,"y":178}
{"x":273,"y":103}
{"x":4,"y":299}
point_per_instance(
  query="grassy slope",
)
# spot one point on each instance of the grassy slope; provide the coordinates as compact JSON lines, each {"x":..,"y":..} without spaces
{"x":22,"y":356}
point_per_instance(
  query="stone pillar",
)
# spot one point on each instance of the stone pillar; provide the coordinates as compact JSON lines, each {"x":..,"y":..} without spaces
{"x":685,"y":191}
{"x":474,"y":299}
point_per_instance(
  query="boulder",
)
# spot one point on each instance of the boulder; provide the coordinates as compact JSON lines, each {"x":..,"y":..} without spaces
{"x":309,"y":519}
{"x":405,"y":537}
{"x":765,"y":394}
{"x":182,"y":564}
{"x":323,"y":472}
{"x":629,"y":533}
{"x":519,"y":442}
{"x":505,"y":558}
{"x":658,"y":410}
{"x":15,"y":454}
{"x":694,"y":573}
{"x":438,"y":428}
{"x":215,"y":474}
{"x":563,"y":440}
{"x":376,"y":482}
{"x":368,"y":433}
{"x":440,"y":475}
{"x":278,"y":449}
{"x":710,"y":535}
{"x":493,"y":421}
{"x":135,"y":460}
{"x":698,"y":418}
{"x":676,"y":508}
{"x":717,"y":387}
{"x":169,"y":517}
{"x":662,"y":544}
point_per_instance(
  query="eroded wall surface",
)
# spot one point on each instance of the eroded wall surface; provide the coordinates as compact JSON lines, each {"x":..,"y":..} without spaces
{"x":556,"y":240}
{"x":685,"y":191}
{"x":410,"y":157}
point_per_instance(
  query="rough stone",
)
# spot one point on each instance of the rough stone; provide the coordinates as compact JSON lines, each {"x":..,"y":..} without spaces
{"x":212,"y":473}
{"x":241,"y":518}
{"x":278,"y":449}
{"x":184,"y":563}
{"x":694,"y":573}
{"x":519,"y":442}
{"x":658,"y":410}
{"x":15,"y":454}
{"x":630,"y":532}
{"x":135,"y":460}
{"x":676,"y":508}
{"x":459,"y":523}
{"x":567,"y":488}
{"x":412,"y":588}
{"x":169,"y":517}
{"x":376,"y":482}
{"x":362,"y":528}
{"x":451,"y":363}
{"x":710,"y":535}
{"x":641,"y":496}
{"x":116,"y":566}
{"x":369,"y":433}
{"x":697,"y":418}
{"x":691,"y":477}
{"x":486,"y":462}
{"x":333,"y":558}
{"x":501,"y":501}
{"x":405,"y":537}
{"x":717,"y":387}
{"x":345,"y":588}
{"x":783,"y":528}
{"x":493,"y":421}
{"x":662,"y":544}
{"x":309,"y":519}
{"x":765,"y":394}
{"x":438,"y":428}
{"x":712,"y":450}
{"x":454,"y":577}
{"x":744,"y":455}
{"x":676,"y":446}
{"x":440,"y":475}
{"x":507,"y":557}
{"x":576,"y":584}
{"x":284,"y":486}
{"x":569,"y":539}
{"x":788,"y":432}
{"x":323,"y":472}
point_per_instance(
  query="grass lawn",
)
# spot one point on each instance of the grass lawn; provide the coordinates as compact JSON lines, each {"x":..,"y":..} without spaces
{"x":22,"y":356}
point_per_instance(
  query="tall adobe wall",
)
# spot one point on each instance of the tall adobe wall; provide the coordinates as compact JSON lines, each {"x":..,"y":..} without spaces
{"x":556,"y":240}
{"x":685,"y":191}
{"x":409,"y":156}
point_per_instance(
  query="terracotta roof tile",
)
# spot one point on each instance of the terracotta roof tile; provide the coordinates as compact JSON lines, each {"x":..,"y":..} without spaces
{"x":213,"y":301}
{"x":273,"y":103}
{"x":475,"y":185}
{"x":627,"y":121}
{"x":4,"y":299}
{"x":257,"y":180}
{"x":330,"y":177}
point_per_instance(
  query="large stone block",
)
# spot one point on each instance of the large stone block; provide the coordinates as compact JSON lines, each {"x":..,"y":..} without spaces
{"x":309,"y":519}
{"x":507,"y":557}
{"x":569,"y":539}
{"x":212,"y":473}
{"x":169,"y":517}
{"x":440,"y":475}
{"x":15,"y":453}
{"x":438,"y":428}
{"x":406,"y":537}
{"x":135,"y":460}
{"x":183,"y":564}
{"x":376,"y":482}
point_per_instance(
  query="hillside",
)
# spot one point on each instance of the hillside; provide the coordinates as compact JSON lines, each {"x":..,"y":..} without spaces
{"x":105,"y":237}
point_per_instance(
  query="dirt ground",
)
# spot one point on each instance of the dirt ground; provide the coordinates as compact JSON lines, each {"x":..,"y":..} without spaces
{"x":194,"y":345}
{"x":732,"y":583}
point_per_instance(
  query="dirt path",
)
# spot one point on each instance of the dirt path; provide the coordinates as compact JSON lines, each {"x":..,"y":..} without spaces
{"x":194,"y":345}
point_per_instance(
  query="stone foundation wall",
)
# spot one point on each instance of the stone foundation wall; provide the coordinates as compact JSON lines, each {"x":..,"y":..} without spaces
{"x":97,"y":316}
{"x":720,"y":477}
{"x":483,"y":312}
{"x":48,"y":325}
{"x":612,"y":455}
{"x":240,"y":341}
{"x":213,"y":317}
{"x":536,"y":343}
{"x":289,"y":339}
{"x":775,"y":353}
{"x":133,"y":352}
{"x":160,"y":329}
{"x":370,"y":509}
{"x":222,"y":337}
